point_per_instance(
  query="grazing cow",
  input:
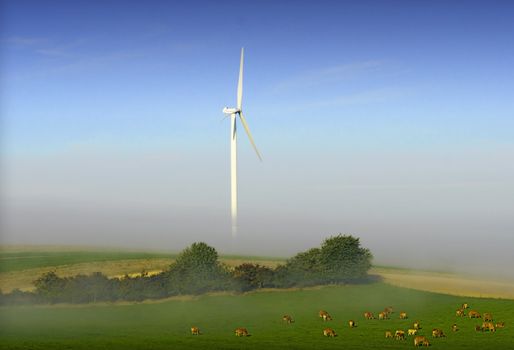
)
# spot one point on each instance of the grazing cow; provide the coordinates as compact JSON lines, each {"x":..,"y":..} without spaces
{"x":474,"y":314}
{"x":195,"y":331}
{"x":416,"y":325}
{"x":352,"y":324}
{"x":287,"y":318}
{"x":465,"y":306}
{"x":412,"y":331}
{"x":325,"y":315}
{"x":399,"y":334}
{"x":388,"y":310}
{"x":382,"y":316}
{"x":500,"y":325}
{"x":437,"y":333}
{"x":329,"y":332}
{"x":403,"y":315}
{"x":369,"y":316}
{"x":488,"y":326}
{"x":242,"y":332}
{"x":388,"y":334}
{"x":421,"y":340}
{"x":488,"y":316}
{"x":459,"y":312}
{"x":478,"y":328}
{"x":454,"y":327}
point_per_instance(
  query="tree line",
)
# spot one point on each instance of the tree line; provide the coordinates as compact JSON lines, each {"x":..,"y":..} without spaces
{"x":197,"y":270}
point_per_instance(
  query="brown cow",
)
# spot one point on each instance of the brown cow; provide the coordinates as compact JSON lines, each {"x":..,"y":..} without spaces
{"x":488,"y":316}
{"x":242,"y":332}
{"x":389,"y":309}
{"x":437,"y":333}
{"x":500,"y":325}
{"x":329,"y":332}
{"x":287,"y":318}
{"x":488,"y":326}
{"x":352,"y":324}
{"x":403,"y":315}
{"x":325,"y":315}
{"x":416,"y":325}
{"x":382,"y":316}
{"x":368,"y":315}
{"x":454,"y":327}
{"x":421,"y":340}
{"x":388,"y":334}
{"x":459,"y":312}
{"x":474,"y":314}
{"x":465,"y":306}
{"x":399,"y":334}
{"x":195,"y":331}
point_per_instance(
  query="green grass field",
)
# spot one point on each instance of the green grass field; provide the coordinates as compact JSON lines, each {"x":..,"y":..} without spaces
{"x":18,"y":260}
{"x":166,"y":325}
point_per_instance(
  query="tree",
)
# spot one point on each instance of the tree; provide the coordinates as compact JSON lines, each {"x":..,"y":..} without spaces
{"x":303,"y":269}
{"x":198,"y":257}
{"x":197,"y":270}
{"x":343,"y":259}
{"x":50,"y":287}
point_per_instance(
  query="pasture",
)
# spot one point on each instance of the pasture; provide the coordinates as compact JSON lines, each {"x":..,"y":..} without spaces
{"x":166,"y":324}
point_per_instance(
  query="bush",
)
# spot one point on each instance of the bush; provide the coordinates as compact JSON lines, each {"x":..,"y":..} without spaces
{"x":252,"y":276}
{"x":340,"y":259}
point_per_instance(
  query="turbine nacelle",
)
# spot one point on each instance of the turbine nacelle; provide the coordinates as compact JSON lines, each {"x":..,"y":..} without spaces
{"x":227,"y":110}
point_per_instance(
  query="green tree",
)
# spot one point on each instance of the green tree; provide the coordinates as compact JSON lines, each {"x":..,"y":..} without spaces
{"x":343,"y":259}
{"x":198,"y":257}
{"x":303,"y":269}
{"x":50,"y":287}
{"x":197,"y":270}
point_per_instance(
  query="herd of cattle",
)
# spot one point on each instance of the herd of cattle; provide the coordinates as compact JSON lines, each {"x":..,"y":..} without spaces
{"x":419,"y":340}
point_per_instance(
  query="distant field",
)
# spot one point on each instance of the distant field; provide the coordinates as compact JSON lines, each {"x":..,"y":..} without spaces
{"x":447,"y":283}
{"x":23,"y":259}
{"x":166,"y":324}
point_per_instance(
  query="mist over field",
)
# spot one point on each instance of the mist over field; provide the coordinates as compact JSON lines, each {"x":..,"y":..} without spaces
{"x":441,"y":210}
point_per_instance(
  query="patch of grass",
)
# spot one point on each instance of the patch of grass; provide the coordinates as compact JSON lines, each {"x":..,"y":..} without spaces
{"x":166,"y":325}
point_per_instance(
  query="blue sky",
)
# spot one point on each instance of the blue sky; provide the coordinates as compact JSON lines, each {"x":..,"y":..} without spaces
{"x":115,"y":71}
{"x":118,"y":103}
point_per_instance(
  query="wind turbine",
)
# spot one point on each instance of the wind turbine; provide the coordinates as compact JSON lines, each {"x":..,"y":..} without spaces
{"x":234,"y":113}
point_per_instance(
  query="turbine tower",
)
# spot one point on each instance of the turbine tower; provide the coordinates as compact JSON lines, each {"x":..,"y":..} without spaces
{"x":234,"y":113}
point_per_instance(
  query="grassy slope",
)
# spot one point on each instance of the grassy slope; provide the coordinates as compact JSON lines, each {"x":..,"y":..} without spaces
{"x":165,"y":325}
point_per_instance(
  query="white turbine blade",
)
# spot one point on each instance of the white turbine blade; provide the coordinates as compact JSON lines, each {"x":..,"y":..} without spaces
{"x":240,"y":82}
{"x":243,"y":120}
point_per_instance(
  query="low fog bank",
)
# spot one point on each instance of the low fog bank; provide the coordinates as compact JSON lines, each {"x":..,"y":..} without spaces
{"x":447,"y":210}
{"x":453,"y":244}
